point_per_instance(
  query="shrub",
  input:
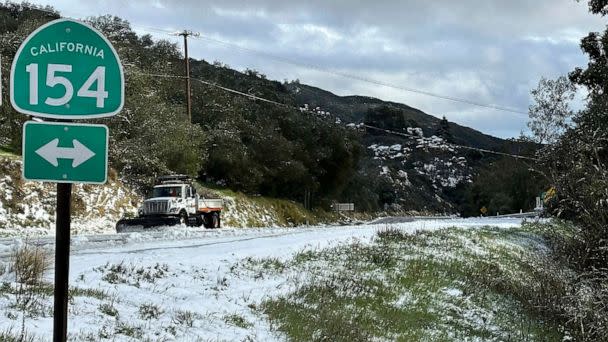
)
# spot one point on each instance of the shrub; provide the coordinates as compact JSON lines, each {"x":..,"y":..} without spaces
{"x":30,"y":265}
{"x":108,"y":309}
{"x":149,"y":311}
{"x":391,"y":234}
{"x":184,"y":318}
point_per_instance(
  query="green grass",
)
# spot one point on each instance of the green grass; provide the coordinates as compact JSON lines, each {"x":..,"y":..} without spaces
{"x":47,"y":289}
{"x":266,"y":264}
{"x":286,"y":212}
{"x":148,"y":311}
{"x":108,"y":309}
{"x":184,"y":318}
{"x":123,"y":273}
{"x":91,"y":293}
{"x":6,"y":151}
{"x":237,"y":321}
{"x":133,"y":331}
{"x":15,"y":336}
{"x":451,"y":285}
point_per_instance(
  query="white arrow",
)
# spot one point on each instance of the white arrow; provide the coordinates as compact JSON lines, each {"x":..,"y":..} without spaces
{"x":51,"y":152}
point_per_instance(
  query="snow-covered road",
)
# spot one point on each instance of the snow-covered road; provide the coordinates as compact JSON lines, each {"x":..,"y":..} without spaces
{"x":182,"y":237}
{"x":193,"y":270}
{"x":267,"y":242}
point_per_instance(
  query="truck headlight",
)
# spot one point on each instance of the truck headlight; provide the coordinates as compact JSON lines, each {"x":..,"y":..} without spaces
{"x":173,"y":210}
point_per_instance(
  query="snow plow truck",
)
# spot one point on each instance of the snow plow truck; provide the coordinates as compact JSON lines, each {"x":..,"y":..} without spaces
{"x":174,"y":201}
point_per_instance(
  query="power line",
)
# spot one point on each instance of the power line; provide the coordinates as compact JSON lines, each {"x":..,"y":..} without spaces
{"x":215,"y":85}
{"x":365,"y":79}
{"x":254,"y":97}
{"x":450,"y":144}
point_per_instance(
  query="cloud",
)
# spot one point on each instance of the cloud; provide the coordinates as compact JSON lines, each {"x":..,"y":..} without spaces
{"x":491,"y":51}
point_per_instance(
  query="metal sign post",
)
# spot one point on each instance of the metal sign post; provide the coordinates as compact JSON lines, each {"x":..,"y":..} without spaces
{"x":62,"y":262}
{"x":65,"y":70}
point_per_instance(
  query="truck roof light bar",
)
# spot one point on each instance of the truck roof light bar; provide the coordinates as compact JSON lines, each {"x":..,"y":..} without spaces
{"x":173,"y":179}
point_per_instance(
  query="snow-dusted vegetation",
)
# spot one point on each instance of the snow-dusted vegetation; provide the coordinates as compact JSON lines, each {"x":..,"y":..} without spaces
{"x":445,"y":170}
{"x":451,"y":285}
{"x":28,"y":208}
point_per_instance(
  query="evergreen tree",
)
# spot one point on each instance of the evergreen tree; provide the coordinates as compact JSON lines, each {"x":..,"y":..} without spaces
{"x":443,"y":130}
{"x":386,"y":117}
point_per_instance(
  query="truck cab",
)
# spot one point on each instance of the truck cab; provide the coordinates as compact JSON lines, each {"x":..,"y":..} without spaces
{"x":172,"y":198}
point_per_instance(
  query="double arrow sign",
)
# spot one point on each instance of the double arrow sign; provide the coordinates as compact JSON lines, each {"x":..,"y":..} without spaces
{"x":51,"y":152}
{"x":49,"y":143}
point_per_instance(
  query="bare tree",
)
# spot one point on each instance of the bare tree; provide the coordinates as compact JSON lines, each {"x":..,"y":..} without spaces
{"x":550,"y":113}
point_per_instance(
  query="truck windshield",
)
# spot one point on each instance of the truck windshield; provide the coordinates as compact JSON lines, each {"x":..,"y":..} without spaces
{"x":167,"y":191}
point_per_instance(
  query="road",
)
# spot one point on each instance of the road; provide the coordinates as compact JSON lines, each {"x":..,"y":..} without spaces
{"x":186,"y":237}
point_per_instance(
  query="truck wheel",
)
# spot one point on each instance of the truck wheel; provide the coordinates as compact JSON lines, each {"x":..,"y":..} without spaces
{"x":199,"y":220}
{"x":120,"y":226}
{"x":183,"y":217}
{"x":207,"y":221}
{"x":215,"y":220}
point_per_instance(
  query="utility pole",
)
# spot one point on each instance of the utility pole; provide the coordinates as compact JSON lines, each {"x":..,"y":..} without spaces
{"x":186,"y":34}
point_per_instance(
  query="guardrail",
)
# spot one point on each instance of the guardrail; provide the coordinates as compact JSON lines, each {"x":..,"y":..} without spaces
{"x":518,"y":215}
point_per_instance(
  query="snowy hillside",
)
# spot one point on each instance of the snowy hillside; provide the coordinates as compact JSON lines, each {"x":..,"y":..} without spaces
{"x":445,"y":170}
{"x":420,"y":166}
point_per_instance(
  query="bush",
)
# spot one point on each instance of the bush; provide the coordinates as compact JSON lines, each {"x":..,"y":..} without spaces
{"x":582,"y":303}
{"x":184,"y":318}
{"x":30,"y":265}
{"x":391,"y":234}
{"x":10,"y":336}
{"x":149,"y":311}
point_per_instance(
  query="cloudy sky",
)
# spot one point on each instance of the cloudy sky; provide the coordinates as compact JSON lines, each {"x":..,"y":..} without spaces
{"x":487,"y":51}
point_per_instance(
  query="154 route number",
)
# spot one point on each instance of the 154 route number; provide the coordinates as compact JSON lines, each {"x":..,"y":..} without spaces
{"x":54,"y":78}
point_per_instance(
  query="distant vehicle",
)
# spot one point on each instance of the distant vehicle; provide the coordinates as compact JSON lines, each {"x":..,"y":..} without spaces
{"x":174,"y":201}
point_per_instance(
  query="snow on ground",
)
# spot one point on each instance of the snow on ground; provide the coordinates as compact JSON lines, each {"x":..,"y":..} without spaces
{"x":28,"y":208}
{"x":152,"y":280}
{"x":237,"y":212}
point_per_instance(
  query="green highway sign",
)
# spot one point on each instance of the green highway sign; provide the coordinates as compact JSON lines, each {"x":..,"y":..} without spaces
{"x":65,"y":152}
{"x":67,"y":70}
